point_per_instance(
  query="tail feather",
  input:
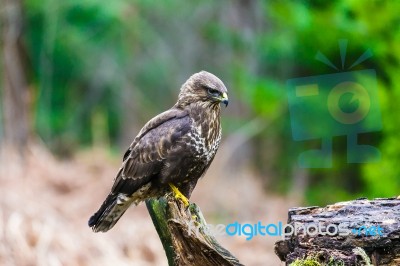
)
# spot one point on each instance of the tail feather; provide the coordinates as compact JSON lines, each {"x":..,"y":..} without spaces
{"x":109,"y":213}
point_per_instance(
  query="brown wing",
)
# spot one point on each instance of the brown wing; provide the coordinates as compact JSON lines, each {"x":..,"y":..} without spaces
{"x":143,"y":161}
{"x":146,"y":156}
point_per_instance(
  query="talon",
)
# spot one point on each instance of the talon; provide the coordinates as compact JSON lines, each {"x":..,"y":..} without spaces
{"x":179,"y":195}
{"x":195,"y":220}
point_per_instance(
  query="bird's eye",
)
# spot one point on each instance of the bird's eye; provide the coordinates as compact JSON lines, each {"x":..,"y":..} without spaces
{"x":213,"y":92}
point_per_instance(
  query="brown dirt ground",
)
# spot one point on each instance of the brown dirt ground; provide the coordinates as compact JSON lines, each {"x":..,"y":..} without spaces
{"x":45,"y":204}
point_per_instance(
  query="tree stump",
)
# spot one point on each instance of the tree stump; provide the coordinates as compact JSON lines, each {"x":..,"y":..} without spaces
{"x":184,"y":235}
{"x":373,"y":235}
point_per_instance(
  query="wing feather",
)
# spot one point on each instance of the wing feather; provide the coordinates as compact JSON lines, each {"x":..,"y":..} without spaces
{"x":146,"y":155}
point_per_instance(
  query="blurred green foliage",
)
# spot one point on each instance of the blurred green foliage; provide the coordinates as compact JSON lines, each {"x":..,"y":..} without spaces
{"x":102,"y":69}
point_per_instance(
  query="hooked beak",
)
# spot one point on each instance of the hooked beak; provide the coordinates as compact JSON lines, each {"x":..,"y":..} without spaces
{"x":225,"y":99}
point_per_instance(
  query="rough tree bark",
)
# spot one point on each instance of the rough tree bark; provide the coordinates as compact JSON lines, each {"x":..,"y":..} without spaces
{"x":374,"y":234}
{"x":184,"y":235}
{"x":15,"y":96}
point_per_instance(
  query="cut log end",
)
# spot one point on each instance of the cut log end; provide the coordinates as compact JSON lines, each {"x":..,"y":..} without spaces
{"x":358,"y":232}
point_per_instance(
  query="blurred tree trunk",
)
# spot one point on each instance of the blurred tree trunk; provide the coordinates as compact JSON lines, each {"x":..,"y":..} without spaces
{"x":15,"y":83}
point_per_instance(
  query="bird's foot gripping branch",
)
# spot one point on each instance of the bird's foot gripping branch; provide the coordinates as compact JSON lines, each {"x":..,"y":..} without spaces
{"x":179,"y":195}
{"x":184,"y":245}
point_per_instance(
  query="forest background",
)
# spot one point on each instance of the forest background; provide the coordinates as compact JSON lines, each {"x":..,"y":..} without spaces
{"x":80,"y":78}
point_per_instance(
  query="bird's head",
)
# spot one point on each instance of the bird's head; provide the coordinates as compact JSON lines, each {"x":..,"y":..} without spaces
{"x":203,"y":88}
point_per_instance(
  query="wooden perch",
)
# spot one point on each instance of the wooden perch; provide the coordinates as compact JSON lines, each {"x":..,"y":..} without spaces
{"x":184,"y":235}
{"x":374,"y":234}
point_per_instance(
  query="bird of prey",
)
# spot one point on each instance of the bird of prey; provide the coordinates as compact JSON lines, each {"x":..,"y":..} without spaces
{"x":170,"y":153}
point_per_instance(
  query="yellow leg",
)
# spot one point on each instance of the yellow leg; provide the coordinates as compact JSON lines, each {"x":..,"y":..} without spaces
{"x":179,"y":195}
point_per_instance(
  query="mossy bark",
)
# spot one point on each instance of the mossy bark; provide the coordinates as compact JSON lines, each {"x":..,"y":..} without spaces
{"x":373,"y":237}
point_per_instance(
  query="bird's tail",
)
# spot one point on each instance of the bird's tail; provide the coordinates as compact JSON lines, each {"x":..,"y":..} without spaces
{"x":109,"y":213}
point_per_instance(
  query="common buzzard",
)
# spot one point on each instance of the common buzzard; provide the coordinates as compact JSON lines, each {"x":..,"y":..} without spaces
{"x":171,"y":152}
